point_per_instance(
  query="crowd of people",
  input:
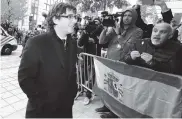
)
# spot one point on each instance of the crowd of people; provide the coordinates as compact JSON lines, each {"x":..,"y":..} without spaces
{"x":12,"y":30}
{"x":130,"y":40}
{"x":47,"y":72}
{"x":21,"y":35}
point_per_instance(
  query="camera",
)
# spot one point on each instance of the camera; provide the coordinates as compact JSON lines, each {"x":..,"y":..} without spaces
{"x":109,"y":19}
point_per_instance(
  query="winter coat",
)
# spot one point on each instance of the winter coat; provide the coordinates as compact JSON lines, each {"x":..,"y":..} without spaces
{"x":166,"y":58}
{"x":47,"y":75}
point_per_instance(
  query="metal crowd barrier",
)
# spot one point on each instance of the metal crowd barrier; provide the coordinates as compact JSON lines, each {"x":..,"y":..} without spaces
{"x":131,"y":91}
{"x":85,"y":73}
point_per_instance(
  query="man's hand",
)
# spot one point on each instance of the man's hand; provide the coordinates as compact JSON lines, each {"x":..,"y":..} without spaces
{"x":134,"y":55}
{"x":159,"y":2}
{"x":91,"y":40}
{"x":162,"y":4}
{"x":137,"y":6}
{"x":139,"y":2}
{"x":109,"y":30}
{"x":105,"y":29}
{"x":146,"y":57}
{"x":104,"y":53}
{"x":79,"y":57}
{"x":174,"y":24}
{"x":80,"y":60}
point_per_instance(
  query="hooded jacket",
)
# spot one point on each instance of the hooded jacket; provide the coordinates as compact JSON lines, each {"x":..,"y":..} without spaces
{"x":121,"y":29}
{"x":121,"y":40}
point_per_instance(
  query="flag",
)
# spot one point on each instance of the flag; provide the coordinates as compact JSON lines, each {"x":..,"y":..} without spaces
{"x":6,"y":39}
{"x":135,"y":92}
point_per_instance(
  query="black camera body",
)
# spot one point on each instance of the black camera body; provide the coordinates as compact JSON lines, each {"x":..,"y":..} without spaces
{"x":90,"y":27}
{"x":109,"y":19}
{"x":118,"y":14}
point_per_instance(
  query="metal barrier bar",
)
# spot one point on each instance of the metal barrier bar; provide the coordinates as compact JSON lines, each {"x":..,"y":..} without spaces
{"x":85,"y":73}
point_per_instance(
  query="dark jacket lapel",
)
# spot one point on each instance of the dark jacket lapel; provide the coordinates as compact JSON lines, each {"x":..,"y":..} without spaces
{"x":59,"y":50}
{"x":70,"y":49}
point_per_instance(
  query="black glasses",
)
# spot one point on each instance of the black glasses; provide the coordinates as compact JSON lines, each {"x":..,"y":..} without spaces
{"x":70,"y":16}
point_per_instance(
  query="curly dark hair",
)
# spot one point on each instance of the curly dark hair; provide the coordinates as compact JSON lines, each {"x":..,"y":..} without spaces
{"x":56,"y":10}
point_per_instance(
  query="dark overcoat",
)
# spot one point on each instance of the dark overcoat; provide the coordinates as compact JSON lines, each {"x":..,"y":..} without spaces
{"x":47,"y":75}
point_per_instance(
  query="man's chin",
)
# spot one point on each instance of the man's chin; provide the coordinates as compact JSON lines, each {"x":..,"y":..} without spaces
{"x":155,"y":43}
{"x":70,"y":31}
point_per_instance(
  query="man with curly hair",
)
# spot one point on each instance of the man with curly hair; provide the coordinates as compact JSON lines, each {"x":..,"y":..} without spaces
{"x":47,"y":72}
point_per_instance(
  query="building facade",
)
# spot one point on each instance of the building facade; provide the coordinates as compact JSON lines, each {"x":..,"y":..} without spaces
{"x":34,"y":13}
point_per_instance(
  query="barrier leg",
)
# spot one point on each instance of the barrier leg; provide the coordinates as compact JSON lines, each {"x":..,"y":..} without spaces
{"x":79,"y":80}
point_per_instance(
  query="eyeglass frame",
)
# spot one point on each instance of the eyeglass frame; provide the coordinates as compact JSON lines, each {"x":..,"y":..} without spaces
{"x":70,"y":16}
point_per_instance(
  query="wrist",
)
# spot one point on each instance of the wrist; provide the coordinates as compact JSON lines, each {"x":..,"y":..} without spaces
{"x":135,"y":58}
{"x":164,"y":8}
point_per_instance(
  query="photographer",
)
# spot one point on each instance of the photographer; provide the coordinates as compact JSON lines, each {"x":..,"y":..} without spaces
{"x":88,"y":37}
{"x":89,"y":41}
{"x":121,"y":38}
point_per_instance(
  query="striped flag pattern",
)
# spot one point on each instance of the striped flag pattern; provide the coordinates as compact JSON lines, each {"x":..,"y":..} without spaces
{"x":136,"y":92}
{"x":6,"y":40}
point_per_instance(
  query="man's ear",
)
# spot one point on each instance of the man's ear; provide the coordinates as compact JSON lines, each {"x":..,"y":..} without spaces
{"x":55,"y":20}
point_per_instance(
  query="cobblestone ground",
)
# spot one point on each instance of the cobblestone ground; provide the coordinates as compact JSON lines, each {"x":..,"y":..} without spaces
{"x":13,"y":100}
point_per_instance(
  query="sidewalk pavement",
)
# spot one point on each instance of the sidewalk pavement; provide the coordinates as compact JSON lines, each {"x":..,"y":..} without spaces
{"x":13,"y":100}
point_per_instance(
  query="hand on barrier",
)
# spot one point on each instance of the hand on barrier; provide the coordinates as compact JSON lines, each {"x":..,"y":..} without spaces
{"x":80,"y":60}
{"x":79,"y":57}
{"x":104,"y":54}
{"x":147,"y":57}
{"x":134,"y":55}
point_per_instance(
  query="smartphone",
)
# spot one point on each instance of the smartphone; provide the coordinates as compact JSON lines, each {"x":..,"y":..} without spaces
{"x":178,"y":18}
{"x":147,"y":2}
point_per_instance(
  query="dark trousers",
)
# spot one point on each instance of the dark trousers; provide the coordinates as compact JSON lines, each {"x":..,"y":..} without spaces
{"x":46,"y":111}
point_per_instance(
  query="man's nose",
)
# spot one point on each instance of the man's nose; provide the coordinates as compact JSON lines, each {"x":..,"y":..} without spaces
{"x":126,"y":17}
